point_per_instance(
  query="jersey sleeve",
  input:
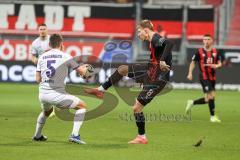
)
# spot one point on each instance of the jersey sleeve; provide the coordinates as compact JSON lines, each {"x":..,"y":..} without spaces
{"x":72,"y":63}
{"x":158,"y":41}
{"x":167,"y":49}
{"x":196,"y":57}
{"x":33,"y":50}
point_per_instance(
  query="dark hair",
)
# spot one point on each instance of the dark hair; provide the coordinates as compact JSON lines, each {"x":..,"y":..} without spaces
{"x":207,"y":35}
{"x":55,"y":40}
{"x":146,"y":24}
{"x":42,"y":24}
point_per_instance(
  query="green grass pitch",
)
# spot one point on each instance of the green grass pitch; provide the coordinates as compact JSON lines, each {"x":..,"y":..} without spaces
{"x":107,"y":136}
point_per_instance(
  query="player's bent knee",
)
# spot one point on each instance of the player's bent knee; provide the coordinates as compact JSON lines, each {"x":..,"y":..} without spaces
{"x":123,"y":70}
{"x":81,"y":105}
{"x":212,"y":95}
{"x":47,"y":113}
{"x":206,"y":99}
{"x":209,"y":96}
{"x":137,"y":108}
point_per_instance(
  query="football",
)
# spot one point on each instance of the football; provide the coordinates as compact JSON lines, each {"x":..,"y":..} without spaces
{"x":89,"y":71}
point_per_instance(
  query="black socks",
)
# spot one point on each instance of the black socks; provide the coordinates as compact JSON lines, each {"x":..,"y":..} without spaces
{"x":211,"y":105}
{"x":140,"y":121}
{"x":199,"y":101}
{"x":114,"y":78}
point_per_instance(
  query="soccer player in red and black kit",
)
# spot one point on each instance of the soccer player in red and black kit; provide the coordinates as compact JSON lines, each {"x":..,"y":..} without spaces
{"x":154,"y":75}
{"x":208,"y":60}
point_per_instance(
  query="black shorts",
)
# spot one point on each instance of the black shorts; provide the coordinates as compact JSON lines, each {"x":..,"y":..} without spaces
{"x":139,"y":72}
{"x":207,"y":85}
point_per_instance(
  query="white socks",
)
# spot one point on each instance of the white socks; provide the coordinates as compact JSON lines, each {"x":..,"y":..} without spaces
{"x":143,"y":136}
{"x":100,"y":88}
{"x":78,"y":120}
{"x":40,"y":123}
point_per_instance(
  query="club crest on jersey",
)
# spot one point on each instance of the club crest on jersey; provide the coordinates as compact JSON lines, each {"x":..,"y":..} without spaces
{"x":214,"y":54}
{"x":161,"y":41}
{"x":206,"y":88}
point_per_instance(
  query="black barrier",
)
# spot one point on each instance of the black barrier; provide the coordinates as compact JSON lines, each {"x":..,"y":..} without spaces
{"x":225,"y":75}
{"x":24,"y":71}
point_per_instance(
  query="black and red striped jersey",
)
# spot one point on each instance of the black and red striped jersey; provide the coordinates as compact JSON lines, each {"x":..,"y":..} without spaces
{"x":160,"y":50}
{"x":204,"y":58}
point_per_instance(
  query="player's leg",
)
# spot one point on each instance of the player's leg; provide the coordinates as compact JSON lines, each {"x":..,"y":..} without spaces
{"x":66,"y":101}
{"x":199,"y":101}
{"x":146,"y":96}
{"x":77,"y":123}
{"x":46,"y":111}
{"x":113,"y":79}
{"x":211,"y":101}
{"x":211,"y":104}
{"x":140,"y":122}
{"x":191,"y":103}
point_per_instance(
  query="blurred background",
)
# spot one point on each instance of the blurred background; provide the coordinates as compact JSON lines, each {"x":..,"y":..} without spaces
{"x":106,"y":29}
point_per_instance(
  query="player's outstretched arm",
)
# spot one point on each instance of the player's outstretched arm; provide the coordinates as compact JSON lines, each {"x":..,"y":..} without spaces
{"x":34,"y":59}
{"x":167,"y":49}
{"x":34,"y":53}
{"x":190,"y":70}
{"x":38,"y":77}
{"x":163,"y":66}
{"x":218,"y":65}
{"x":215,"y":66}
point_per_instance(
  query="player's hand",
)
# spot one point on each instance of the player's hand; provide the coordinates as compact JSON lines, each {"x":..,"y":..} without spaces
{"x":214,"y":66}
{"x":163,"y":66}
{"x":190,"y":77}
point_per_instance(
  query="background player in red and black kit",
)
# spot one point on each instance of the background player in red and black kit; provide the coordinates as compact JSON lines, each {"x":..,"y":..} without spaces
{"x":208,"y":60}
{"x":153,"y":75}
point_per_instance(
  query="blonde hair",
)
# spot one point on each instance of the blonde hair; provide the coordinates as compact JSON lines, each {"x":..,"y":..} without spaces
{"x":146,"y":24}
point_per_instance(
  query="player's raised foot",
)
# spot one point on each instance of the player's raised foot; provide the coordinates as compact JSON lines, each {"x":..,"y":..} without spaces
{"x":76,"y":139}
{"x":95,"y":92}
{"x":215,"y":119}
{"x":41,"y":138}
{"x":139,"y":140}
{"x":189,"y":106}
